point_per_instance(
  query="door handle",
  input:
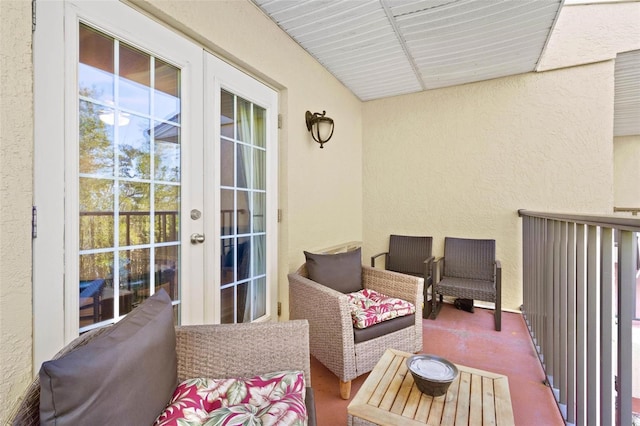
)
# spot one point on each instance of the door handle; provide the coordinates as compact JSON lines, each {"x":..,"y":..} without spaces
{"x":197,"y":238}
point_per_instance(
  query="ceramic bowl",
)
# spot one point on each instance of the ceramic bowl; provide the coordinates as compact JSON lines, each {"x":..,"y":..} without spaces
{"x":432,"y":374}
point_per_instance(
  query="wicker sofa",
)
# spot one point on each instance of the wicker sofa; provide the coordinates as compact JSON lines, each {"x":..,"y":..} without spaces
{"x":331,"y":331}
{"x":204,"y":351}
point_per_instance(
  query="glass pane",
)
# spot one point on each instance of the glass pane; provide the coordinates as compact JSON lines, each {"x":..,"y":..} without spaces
{"x":135,"y":65}
{"x":227,"y":169}
{"x":227,"y":116}
{"x":95,"y":70}
{"x":167,"y":213}
{"x":96,"y":213}
{"x":259,"y":209}
{"x":96,"y":140}
{"x":244,"y":303}
{"x":167,"y":93}
{"x":244,"y":258}
{"x":228,"y":261}
{"x":166,"y":271}
{"x":167,"y":158}
{"x":135,"y":279}
{"x":259,"y":255}
{"x":135,"y":79}
{"x":96,"y":288}
{"x":260,"y":126}
{"x":134,"y":148}
{"x":244,"y":120}
{"x":134,"y":213}
{"x":227,"y":212}
{"x":243,"y":216}
{"x":259,"y":298}
{"x":96,"y":230}
{"x":96,"y":195}
{"x":244,"y":166}
{"x":259,"y":169}
{"x":227,"y":299}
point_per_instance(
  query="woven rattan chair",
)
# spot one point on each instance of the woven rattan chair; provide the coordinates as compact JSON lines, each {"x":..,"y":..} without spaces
{"x":469,"y":270}
{"x":215,"y":351}
{"x":410,"y":255}
{"x":331,"y":333}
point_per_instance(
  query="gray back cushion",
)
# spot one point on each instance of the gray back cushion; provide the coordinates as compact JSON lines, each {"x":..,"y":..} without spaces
{"x":340,"y":271}
{"x":125,"y":376}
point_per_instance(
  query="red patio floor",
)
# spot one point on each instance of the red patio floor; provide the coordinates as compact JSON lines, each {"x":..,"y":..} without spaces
{"x":467,"y":339}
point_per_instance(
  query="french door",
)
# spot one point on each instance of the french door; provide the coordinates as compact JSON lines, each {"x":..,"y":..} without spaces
{"x":164,"y":161}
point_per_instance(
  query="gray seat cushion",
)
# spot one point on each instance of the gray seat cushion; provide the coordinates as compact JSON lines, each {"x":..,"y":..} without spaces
{"x":125,"y":376}
{"x":383,"y":328}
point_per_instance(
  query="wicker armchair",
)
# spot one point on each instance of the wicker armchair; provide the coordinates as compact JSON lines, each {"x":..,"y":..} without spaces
{"x":238,"y":350}
{"x":410,"y":255}
{"x":331,"y":333}
{"x":469,"y":270}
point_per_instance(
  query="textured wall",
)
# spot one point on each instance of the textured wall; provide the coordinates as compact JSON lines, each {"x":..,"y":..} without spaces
{"x":16,"y":122}
{"x":461,"y":161}
{"x":627,"y":171}
{"x":590,"y":33}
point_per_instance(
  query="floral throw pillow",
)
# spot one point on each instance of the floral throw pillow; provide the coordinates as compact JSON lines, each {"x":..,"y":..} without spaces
{"x":270,"y":399}
{"x":368,"y":307}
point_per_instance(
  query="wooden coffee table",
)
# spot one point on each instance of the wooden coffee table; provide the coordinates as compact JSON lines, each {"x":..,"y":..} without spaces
{"x":389,"y":396}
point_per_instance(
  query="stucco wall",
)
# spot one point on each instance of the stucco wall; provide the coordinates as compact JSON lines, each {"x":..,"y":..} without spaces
{"x":590,"y":33}
{"x":627,"y":171}
{"x":461,"y":161}
{"x":16,"y":121}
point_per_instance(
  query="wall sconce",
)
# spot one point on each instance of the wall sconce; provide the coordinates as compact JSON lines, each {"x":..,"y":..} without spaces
{"x":320,"y":127}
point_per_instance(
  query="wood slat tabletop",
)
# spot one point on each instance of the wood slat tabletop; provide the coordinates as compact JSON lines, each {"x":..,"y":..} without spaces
{"x":389,"y":396}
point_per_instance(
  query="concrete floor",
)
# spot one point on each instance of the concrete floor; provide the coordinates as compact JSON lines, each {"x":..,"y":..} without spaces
{"x":467,"y":339}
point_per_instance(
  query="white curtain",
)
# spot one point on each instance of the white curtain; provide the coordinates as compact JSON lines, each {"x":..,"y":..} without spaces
{"x":243,"y":180}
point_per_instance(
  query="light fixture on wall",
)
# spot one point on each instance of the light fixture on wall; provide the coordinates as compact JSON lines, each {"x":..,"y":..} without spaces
{"x":320,"y":126}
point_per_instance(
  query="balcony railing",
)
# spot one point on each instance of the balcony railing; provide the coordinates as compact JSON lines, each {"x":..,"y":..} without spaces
{"x":579,"y":285}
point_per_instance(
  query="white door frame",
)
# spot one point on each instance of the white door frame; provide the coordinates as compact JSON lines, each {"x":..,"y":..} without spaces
{"x":55,"y":250}
{"x":220,"y":75}
{"x":55,"y":277}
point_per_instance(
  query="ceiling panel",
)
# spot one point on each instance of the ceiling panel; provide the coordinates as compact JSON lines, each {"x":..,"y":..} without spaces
{"x":627,"y":94}
{"x":381,"y":48}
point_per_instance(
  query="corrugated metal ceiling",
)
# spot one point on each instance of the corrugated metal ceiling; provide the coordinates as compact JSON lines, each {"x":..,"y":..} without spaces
{"x":381,"y":48}
{"x":626,"y":116}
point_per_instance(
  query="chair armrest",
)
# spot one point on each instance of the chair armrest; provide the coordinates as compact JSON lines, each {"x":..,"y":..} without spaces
{"x":394,"y":284}
{"x":242,"y":350}
{"x":439,"y":268}
{"x":428,"y":269}
{"x":330,"y":322}
{"x":373,"y":258}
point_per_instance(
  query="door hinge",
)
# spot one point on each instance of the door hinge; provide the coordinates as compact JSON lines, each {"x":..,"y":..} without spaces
{"x":33,"y":15}
{"x":34,"y":222}
{"x":279,"y":215}
{"x":279,"y":308}
{"x":279,"y":121}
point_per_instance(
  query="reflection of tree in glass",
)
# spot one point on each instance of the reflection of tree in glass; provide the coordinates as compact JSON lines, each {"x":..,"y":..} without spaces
{"x":167,"y":161}
{"x":133,"y":148}
{"x":96,"y":146}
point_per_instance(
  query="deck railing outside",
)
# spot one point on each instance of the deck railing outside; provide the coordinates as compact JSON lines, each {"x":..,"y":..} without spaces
{"x":579,"y":281}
